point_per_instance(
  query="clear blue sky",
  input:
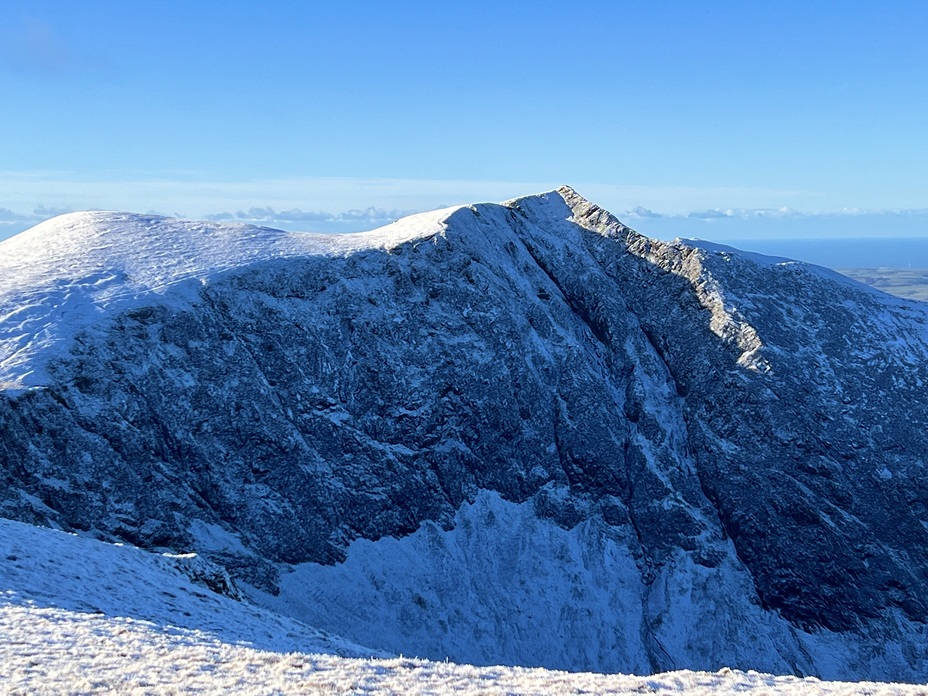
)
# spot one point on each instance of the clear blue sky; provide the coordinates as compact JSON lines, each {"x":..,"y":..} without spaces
{"x":205,"y":108}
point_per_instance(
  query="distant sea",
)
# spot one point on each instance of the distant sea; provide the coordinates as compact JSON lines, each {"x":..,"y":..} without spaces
{"x":901,"y":253}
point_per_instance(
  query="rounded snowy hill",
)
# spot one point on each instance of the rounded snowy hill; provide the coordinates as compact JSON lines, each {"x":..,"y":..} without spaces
{"x":76,"y":269}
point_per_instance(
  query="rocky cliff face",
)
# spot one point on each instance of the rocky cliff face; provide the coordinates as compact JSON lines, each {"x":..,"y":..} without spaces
{"x":501,"y":433}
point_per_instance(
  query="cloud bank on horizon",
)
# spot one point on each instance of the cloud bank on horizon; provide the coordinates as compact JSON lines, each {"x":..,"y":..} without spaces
{"x":726,"y":224}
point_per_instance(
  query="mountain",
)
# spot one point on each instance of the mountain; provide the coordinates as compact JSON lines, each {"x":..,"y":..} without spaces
{"x":518,"y":433}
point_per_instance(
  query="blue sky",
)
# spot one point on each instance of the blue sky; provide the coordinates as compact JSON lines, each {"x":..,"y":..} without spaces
{"x":714,"y":119}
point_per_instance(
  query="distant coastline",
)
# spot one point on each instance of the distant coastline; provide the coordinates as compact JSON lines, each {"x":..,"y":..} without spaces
{"x":904,"y":253}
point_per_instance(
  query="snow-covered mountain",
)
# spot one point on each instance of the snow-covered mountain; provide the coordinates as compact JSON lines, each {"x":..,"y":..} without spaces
{"x":517,"y":433}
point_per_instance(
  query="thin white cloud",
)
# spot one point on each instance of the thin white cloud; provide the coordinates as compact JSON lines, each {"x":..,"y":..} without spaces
{"x":39,"y":213}
{"x":44,"y":212}
{"x":746,"y":213}
{"x":351,"y":204}
{"x":780,"y":213}
{"x":7,"y":215}
{"x":776,"y":213}
{"x":713,"y":214}
{"x":639,"y":212}
{"x":347,"y":220}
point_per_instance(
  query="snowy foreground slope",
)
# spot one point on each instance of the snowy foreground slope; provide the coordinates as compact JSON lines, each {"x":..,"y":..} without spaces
{"x":501,"y":434}
{"x":81,"y":616}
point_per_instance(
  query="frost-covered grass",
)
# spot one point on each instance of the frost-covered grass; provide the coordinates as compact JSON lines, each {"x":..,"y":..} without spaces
{"x":79,"y":616}
{"x":57,"y":651}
